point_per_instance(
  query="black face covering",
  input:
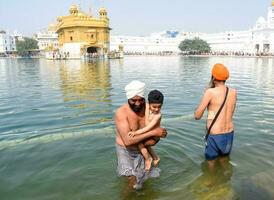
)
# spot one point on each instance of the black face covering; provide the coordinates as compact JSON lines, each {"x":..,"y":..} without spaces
{"x":136,"y":108}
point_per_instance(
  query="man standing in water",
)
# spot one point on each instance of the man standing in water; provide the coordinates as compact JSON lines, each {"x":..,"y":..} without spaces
{"x":220,"y":138}
{"x":131,"y":117}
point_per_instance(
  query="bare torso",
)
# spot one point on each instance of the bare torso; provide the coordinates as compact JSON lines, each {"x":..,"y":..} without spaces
{"x":135,"y":122}
{"x":224,"y":122}
{"x":126,"y":121}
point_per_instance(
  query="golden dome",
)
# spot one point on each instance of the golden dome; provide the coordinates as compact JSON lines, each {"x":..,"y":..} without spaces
{"x":102,"y":10}
{"x":59,"y":19}
{"x":73,"y":9}
{"x":52,"y":27}
{"x":81,"y":14}
{"x":103,"y":13}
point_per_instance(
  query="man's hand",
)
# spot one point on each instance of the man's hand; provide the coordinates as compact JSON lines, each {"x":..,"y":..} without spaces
{"x":161,"y":132}
{"x":132,"y":134}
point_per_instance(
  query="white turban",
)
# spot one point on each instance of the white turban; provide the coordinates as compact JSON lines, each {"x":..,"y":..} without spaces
{"x":135,"y":88}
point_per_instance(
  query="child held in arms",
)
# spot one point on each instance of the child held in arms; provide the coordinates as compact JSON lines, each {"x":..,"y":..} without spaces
{"x":153,"y":119}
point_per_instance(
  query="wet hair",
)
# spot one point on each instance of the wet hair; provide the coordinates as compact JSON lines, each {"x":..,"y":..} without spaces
{"x":155,"y":96}
{"x":211,"y":83}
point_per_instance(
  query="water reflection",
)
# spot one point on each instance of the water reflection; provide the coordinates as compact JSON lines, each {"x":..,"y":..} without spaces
{"x":259,"y":186}
{"x":85,"y":80}
{"x":214,"y":183}
{"x":86,"y":85}
{"x":44,"y":103}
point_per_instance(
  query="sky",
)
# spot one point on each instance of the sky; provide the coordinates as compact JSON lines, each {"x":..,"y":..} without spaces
{"x":138,"y":17}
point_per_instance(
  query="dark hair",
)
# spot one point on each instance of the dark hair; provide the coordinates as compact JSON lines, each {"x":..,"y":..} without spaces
{"x":155,"y":96}
{"x":211,"y":83}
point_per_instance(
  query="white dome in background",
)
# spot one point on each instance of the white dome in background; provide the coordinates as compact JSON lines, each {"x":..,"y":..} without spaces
{"x":261,"y":20}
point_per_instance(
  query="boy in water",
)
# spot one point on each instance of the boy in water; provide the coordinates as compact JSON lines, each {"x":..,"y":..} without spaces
{"x":153,"y":120}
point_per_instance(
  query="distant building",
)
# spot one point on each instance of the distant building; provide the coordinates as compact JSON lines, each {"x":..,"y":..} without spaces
{"x":80,"y":34}
{"x":7,"y":43}
{"x":47,"y":40}
{"x":166,"y":41}
{"x":257,"y":40}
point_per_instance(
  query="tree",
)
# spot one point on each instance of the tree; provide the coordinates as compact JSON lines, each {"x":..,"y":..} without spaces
{"x":24,"y":47}
{"x":194,"y":46}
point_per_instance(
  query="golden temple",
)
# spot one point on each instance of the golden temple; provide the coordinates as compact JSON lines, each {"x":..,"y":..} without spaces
{"x":80,"y":34}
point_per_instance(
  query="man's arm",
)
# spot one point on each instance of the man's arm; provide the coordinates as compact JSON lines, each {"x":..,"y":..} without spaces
{"x":123,"y":128}
{"x":202,"y":106}
{"x":234,"y":100}
{"x":150,"y":125}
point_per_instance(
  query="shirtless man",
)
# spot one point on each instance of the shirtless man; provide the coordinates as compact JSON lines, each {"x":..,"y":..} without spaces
{"x":131,"y":117}
{"x":220,"y":139}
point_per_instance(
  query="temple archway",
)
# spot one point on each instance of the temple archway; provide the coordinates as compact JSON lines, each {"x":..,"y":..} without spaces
{"x":91,"y":50}
{"x":257,"y":48}
{"x":266,"y":48}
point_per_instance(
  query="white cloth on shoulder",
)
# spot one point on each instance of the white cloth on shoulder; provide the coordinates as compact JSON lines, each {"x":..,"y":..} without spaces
{"x":135,"y":88}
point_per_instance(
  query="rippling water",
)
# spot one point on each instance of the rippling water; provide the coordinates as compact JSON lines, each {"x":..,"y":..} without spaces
{"x":57,"y":131}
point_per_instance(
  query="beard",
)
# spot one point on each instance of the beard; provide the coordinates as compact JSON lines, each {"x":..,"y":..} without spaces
{"x":136,"y":109}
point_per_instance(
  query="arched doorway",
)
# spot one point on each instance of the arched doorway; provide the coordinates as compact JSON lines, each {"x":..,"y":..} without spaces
{"x":91,"y":50}
{"x":266,"y":48}
{"x":257,"y":48}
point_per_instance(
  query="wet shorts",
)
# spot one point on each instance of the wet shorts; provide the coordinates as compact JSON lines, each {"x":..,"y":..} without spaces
{"x":131,"y":163}
{"x":218,"y":145}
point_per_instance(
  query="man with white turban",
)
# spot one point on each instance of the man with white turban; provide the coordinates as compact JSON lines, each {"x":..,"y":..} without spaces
{"x":135,"y":88}
{"x":131,"y":117}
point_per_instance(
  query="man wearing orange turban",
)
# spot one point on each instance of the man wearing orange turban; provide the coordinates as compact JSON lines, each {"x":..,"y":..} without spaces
{"x":220,"y":130}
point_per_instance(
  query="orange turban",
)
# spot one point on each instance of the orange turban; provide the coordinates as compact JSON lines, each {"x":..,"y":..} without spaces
{"x":220,"y":72}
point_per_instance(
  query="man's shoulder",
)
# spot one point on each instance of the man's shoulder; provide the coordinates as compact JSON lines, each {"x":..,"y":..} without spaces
{"x":210,"y":91}
{"x":122,"y":109}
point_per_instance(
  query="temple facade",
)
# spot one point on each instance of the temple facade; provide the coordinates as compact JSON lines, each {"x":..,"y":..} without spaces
{"x":80,"y":34}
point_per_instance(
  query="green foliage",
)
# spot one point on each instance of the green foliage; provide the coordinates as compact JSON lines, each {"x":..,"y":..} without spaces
{"x":195,"y":46}
{"x":24,"y":47}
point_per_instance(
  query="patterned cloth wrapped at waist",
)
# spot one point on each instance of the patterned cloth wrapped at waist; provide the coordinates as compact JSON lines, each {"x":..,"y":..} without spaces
{"x":131,"y":163}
